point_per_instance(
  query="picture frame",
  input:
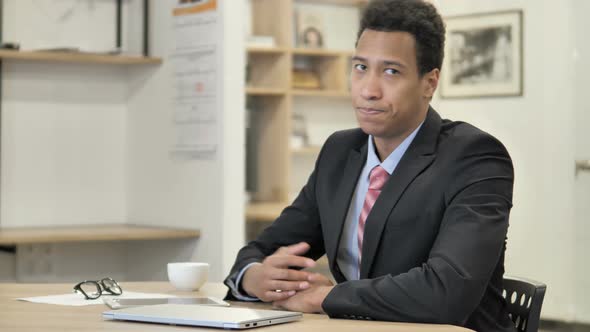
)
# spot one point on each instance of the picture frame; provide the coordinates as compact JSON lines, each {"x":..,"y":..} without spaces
{"x":309,"y":27}
{"x":483,"y":55}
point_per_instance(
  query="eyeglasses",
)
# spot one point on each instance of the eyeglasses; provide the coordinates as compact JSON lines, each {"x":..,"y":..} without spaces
{"x":93,"y":289}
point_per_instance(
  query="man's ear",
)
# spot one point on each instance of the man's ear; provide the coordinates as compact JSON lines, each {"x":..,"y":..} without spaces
{"x":430,"y":83}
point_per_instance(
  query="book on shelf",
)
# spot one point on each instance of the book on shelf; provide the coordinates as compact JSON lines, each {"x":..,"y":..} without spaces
{"x":305,"y":79}
{"x":260,"y":42}
{"x":299,"y":136}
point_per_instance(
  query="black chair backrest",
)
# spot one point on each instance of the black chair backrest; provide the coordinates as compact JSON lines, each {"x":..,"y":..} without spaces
{"x":524,"y":298}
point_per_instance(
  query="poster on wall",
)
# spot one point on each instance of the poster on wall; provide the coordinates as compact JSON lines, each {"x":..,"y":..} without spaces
{"x":196,"y":91}
{"x":483,"y":56}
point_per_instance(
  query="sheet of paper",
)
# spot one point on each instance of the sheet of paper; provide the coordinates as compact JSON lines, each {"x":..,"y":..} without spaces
{"x":195,"y":59}
{"x":75,"y":299}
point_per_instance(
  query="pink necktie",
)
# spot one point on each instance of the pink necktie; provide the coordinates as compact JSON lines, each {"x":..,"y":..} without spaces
{"x":377,"y":179}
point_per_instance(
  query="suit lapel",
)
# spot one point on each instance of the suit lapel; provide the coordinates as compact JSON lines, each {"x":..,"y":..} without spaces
{"x":418,"y":157}
{"x":352,"y":171}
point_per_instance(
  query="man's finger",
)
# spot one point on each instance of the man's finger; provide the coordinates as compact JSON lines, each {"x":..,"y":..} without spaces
{"x":319,"y":279}
{"x":294,"y":249}
{"x":287,"y":285}
{"x":289,"y":274}
{"x":272,"y":296}
{"x":286,"y":261}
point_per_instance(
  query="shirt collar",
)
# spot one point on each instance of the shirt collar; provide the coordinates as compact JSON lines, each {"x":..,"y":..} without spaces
{"x":390,"y":163}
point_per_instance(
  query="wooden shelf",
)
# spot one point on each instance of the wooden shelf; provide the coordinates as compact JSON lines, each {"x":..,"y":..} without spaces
{"x":77,"y":58}
{"x":321,"y":93}
{"x":264,"y":212}
{"x":308,"y":150}
{"x":107,"y":232}
{"x":266,"y":50}
{"x":320,"y":52}
{"x":251,"y":91}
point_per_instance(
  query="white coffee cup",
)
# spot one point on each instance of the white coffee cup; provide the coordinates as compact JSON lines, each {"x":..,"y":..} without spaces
{"x":188,"y":276}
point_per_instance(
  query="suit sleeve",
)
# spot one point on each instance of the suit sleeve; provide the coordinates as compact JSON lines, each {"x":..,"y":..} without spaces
{"x":299,"y":222}
{"x":450,"y":284}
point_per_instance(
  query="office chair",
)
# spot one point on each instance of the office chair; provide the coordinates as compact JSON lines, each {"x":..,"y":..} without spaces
{"x":524,"y":299}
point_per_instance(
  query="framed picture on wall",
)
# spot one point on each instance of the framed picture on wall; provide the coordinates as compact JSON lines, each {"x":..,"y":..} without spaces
{"x":483,"y":56}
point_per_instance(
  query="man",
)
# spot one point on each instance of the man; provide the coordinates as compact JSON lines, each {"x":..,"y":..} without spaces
{"x":411,"y":210}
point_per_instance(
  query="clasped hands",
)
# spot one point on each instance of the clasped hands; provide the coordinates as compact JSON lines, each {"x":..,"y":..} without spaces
{"x":275,"y":281}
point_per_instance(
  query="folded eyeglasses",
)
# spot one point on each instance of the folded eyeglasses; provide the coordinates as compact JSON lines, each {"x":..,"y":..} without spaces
{"x":93,"y":289}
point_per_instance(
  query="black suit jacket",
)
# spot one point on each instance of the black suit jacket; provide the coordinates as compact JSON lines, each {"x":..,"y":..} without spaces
{"x":434,"y":241}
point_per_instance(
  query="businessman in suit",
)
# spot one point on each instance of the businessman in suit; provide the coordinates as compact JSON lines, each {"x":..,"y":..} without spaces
{"x":410,"y":209}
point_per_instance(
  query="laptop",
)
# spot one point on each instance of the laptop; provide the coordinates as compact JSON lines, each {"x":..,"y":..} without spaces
{"x":204,"y":316}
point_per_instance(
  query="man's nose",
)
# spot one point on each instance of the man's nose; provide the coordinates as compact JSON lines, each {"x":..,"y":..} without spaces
{"x":371,"y":88}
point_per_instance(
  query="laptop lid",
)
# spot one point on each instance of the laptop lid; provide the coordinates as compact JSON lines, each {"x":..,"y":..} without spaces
{"x":199,"y":315}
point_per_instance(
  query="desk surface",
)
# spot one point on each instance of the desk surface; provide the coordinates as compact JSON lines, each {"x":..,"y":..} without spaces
{"x":25,"y":316}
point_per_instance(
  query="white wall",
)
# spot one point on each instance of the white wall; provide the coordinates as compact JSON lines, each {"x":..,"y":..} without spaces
{"x":63,"y":128}
{"x":233,"y":133}
{"x":581,"y":83}
{"x":537,"y":129}
{"x":37,"y":24}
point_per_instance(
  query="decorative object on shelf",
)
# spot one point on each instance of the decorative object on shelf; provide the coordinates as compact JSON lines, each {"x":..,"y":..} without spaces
{"x":260,"y":42}
{"x":305,"y":79}
{"x":484,"y":55}
{"x":310,"y":29}
{"x":299,"y":137}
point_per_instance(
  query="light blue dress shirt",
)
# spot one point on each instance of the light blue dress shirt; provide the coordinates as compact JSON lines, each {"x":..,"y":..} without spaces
{"x":348,"y":251}
{"x":347,"y":256}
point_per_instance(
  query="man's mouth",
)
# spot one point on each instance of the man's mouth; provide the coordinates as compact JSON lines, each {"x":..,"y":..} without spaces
{"x":369,"y":110}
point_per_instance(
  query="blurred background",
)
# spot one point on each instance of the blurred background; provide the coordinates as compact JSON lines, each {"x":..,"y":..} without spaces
{"x":135,"y":133}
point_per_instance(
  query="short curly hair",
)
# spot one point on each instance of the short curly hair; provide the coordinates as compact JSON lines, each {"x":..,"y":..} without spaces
{"x":417,"y":17}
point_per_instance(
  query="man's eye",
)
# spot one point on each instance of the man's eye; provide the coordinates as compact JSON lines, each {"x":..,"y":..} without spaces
{"x":391,"y":71}
{"x":360,"y":67}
